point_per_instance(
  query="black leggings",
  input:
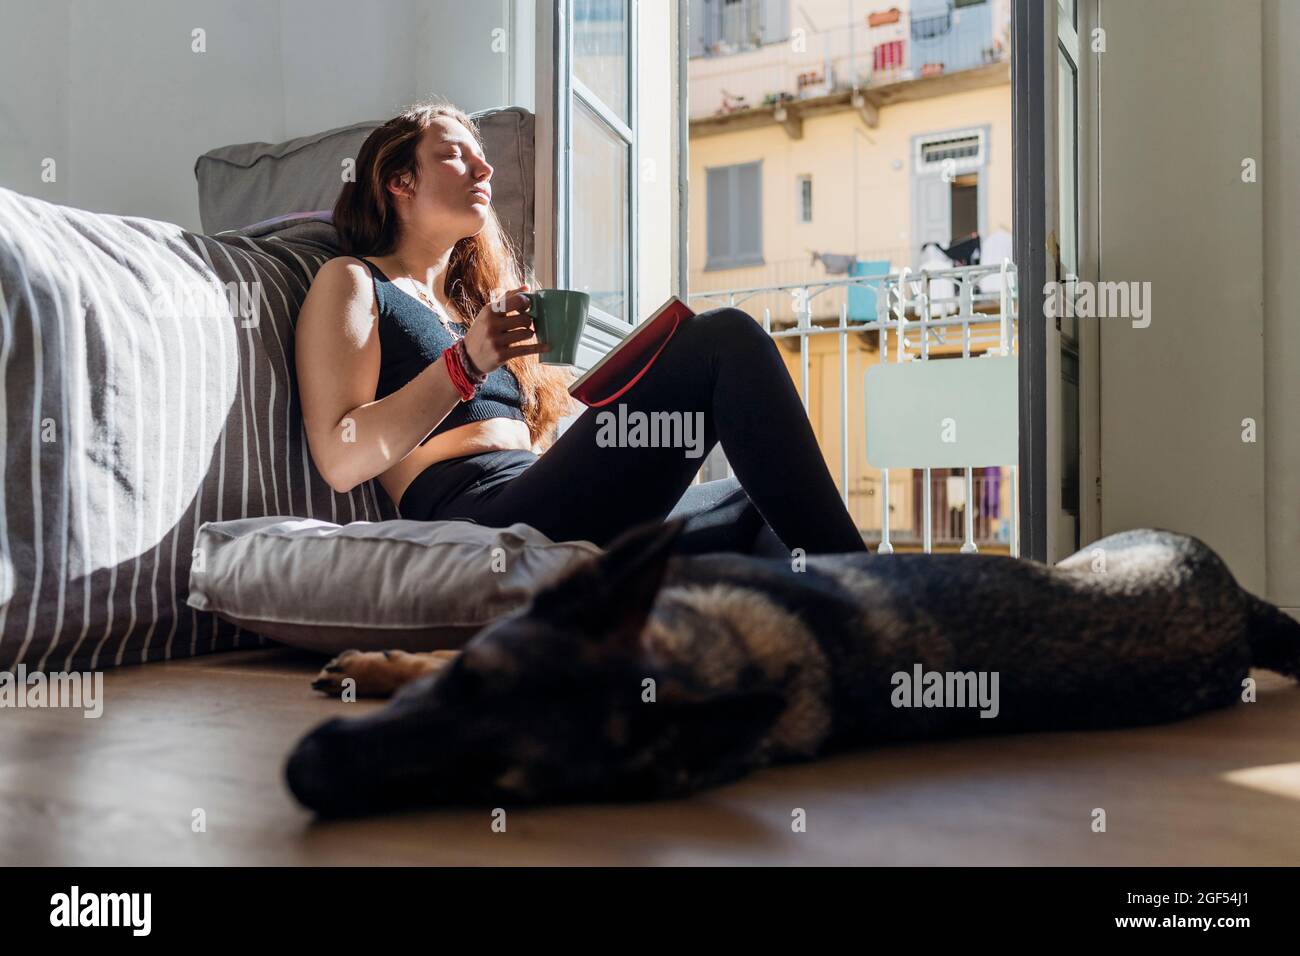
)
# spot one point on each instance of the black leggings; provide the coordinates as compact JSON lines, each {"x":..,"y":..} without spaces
{"x":720,"y":364}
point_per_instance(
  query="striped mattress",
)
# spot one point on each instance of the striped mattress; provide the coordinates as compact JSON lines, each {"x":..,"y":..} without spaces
{"x":146,"y":387}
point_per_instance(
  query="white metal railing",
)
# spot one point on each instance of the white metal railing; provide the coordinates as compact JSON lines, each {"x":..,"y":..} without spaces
{"x":974,"y":306}
{"x":990,"y":508}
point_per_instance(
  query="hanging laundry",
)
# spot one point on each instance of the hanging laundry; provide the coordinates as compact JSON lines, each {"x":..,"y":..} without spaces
{"x":991,"y":504}
{"x":965,"y":252}
{"x":835,"y":264}
{"x":956,"y":491}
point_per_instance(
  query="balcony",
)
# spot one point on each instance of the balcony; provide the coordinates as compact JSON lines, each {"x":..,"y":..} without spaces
{"x":885,"y":58}
{"x":900,"y":318}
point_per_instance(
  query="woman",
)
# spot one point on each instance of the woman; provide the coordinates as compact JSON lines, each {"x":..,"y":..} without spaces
{"x":417,"y":364}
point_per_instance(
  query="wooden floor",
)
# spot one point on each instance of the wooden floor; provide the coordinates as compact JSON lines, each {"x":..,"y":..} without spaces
{"x":212,"y":733}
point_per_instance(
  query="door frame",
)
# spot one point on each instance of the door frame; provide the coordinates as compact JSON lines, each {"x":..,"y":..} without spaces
{"x":985,"y":132}
{"x":1035,"y":40}
{"x":1029,"y":84}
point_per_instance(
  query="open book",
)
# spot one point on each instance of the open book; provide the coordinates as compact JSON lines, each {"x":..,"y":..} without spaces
{"x":623,"y":365}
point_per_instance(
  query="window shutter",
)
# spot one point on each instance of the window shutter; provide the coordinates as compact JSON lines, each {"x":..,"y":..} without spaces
{"x":748,"y":211}
{"x":697,"y":24}
{"x":775,"y":22}
{"x":719,"y":213}
{"x":735,"y":215}
{"x":934,"y":223}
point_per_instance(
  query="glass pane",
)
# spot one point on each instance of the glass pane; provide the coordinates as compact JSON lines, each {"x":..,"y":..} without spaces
{"x":1067,"y":156}
{"x":600,"y":50}
{"x":599,"y":201}
{"x":1069,"y":11}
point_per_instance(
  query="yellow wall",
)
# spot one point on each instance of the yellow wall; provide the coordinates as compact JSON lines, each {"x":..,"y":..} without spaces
{"x":884,"y":196}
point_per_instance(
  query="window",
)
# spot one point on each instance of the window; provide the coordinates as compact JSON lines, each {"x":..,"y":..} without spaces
{"x":728,"y":26}
{"x":595,"y":138}
{"x":734,"y":202}
{"x":805,"y":199}
{"x":740,"y":24}
{"x":965,"y":149}
{"x":1067,"y":151}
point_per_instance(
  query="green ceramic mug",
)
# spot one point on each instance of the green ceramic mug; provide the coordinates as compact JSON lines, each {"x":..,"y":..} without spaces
{"x":559,"y":316}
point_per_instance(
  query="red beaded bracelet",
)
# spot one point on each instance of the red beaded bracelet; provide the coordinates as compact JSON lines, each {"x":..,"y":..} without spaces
{"x":456,"y":372}
{"x":471,"y":370}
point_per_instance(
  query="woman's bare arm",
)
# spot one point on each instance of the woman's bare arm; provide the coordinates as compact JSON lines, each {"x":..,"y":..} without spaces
{"x":352,"y":436}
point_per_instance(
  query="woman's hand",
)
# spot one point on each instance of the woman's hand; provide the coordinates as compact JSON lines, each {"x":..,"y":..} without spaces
{"x":502,"y":330}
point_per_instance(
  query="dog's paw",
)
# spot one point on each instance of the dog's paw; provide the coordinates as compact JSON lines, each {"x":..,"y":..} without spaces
{"x":377,"y":673}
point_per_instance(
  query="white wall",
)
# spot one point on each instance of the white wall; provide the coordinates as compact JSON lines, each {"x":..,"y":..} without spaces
{"x":1190,"y":88}
{"x":34,"y":96}
{"x":1280,"y":169}
{"x":114,"y":93}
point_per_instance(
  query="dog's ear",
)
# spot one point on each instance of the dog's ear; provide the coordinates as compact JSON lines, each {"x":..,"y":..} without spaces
{"x":610,"y":596}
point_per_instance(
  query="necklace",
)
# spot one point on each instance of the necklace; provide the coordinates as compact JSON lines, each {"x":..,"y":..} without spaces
{"x":420,"y":290}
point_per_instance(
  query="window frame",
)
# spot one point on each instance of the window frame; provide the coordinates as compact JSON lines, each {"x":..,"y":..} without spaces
{"x":804,"y":203}
{"x":557,"y":87}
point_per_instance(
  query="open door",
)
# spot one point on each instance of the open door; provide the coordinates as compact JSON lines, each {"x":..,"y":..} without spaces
{"x":1054,"y":85}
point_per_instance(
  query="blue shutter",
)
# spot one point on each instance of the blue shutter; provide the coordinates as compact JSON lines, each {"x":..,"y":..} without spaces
{"x":747,"y":211}
{"x":718,"y":201}
{"x":734,"y":209}
{"x":697,"y":25}
{"x":933,"y":217}
{"x":774,"y":20}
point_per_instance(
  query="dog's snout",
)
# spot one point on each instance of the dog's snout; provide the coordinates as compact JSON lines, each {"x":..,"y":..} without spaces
{"x":314,"y":767}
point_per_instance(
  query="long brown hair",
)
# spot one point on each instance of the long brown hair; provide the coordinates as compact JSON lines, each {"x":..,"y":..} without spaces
{"x":479,"y":266}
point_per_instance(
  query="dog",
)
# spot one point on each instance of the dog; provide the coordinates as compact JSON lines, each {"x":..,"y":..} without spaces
{"x":642,"y":675}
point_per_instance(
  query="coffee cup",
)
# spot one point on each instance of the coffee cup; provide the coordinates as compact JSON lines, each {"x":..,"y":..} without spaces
{"x":559,"y":316}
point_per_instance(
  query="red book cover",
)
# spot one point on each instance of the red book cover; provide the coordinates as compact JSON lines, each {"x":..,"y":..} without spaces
{"x":624,"y":364}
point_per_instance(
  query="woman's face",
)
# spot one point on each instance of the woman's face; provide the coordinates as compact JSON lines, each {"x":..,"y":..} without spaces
{"x":453,"y":188}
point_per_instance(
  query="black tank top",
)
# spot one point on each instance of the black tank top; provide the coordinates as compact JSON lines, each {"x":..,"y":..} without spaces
{"x":411,"y":338}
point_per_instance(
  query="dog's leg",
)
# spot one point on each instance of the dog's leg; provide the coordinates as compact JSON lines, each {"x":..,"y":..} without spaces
{"x":378,"y":673}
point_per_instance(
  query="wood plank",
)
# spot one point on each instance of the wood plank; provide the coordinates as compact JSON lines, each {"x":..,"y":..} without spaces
{"x":1223,"y":789}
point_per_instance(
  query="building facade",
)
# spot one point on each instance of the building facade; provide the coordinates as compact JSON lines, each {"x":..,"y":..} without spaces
{"x":833,"y":139}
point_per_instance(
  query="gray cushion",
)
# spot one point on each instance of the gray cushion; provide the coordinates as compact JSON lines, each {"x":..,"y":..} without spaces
{"x":401,"y":585}
{"x":251,"y":182}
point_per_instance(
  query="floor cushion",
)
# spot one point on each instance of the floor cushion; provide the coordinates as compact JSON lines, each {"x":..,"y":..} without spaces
{"x":402,"y":585}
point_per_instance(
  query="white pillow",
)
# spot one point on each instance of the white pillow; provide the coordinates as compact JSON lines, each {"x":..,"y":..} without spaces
{"x":404,"y":585}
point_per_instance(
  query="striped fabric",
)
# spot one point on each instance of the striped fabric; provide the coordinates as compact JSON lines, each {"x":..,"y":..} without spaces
{"x":136,"y":404}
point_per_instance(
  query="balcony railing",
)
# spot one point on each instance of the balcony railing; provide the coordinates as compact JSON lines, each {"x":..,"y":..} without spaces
{"x":809,"y":64}
{"x":917,"y":316}
{"x":991,"y":508}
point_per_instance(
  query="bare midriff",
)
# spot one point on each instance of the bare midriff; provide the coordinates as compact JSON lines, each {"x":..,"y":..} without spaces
{"x":472,"y":438}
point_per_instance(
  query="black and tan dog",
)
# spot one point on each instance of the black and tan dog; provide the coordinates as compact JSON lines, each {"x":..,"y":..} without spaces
{"x":639,"y":675}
